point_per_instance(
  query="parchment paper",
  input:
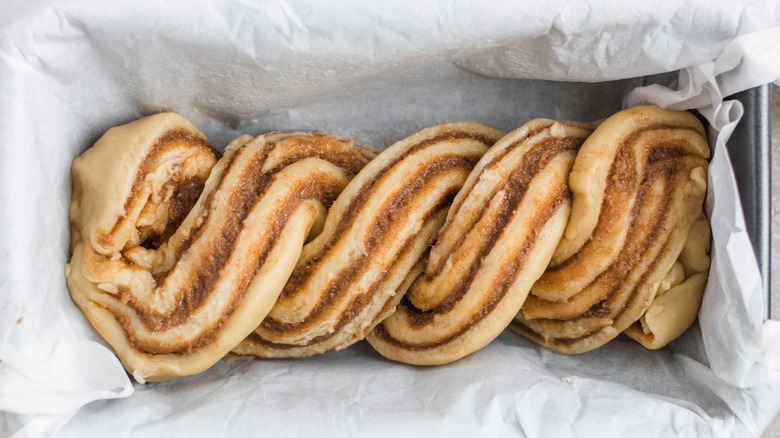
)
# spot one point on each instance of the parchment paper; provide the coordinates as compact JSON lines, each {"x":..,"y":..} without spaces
{"x":375,"y":71}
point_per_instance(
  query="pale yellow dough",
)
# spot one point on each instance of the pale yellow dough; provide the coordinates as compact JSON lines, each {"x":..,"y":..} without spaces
{"x":676,"y":303}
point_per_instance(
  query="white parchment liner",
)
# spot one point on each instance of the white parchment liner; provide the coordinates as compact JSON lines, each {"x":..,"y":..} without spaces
{"x":378,"y":72}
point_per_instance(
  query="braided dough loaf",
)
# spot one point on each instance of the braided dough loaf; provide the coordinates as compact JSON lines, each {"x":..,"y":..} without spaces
{"x":429,"y":249}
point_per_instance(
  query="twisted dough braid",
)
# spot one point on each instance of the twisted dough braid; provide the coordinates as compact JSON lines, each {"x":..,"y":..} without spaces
{"x":177,"y":308}
{"x":638,"y":184}
{"x":499,"y":237}
{"x":180,"y":258}
{"x":350,"y":277}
